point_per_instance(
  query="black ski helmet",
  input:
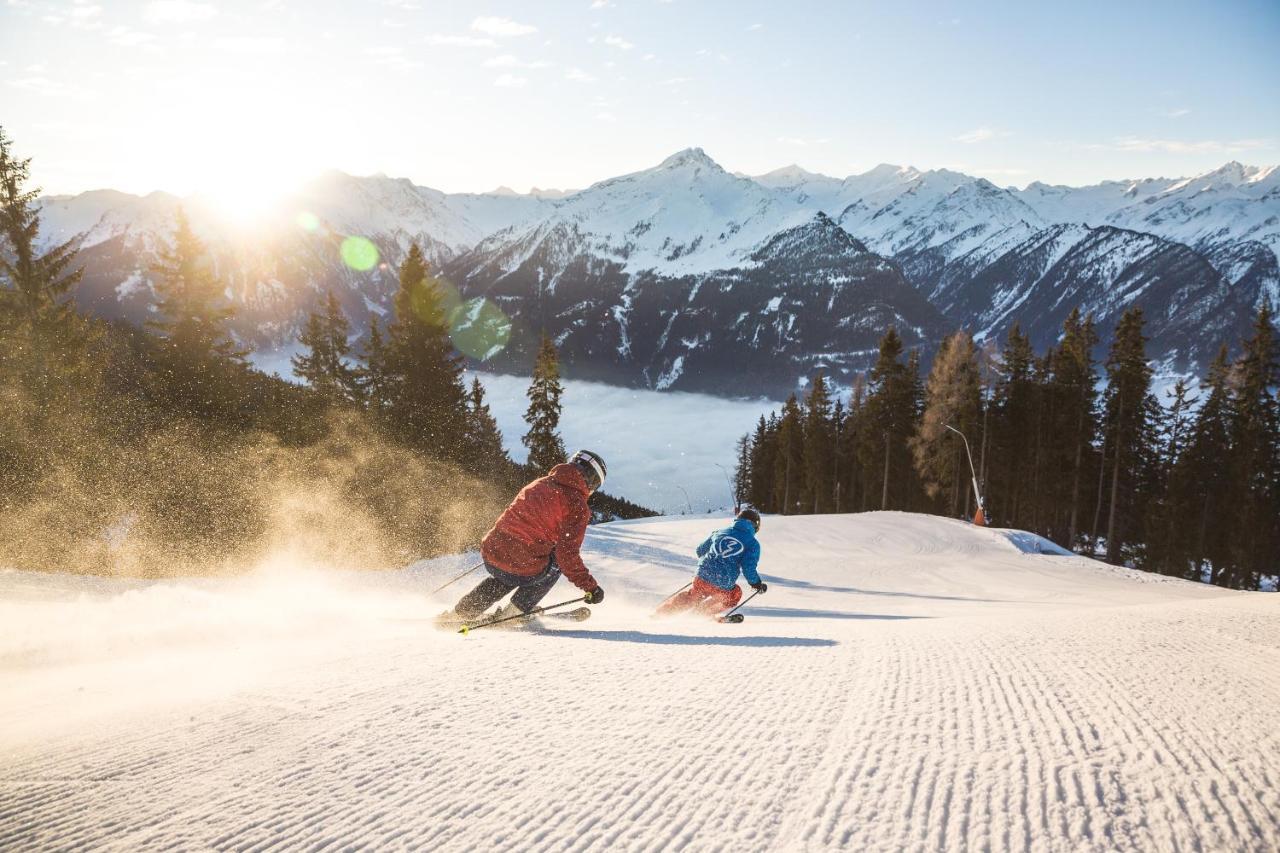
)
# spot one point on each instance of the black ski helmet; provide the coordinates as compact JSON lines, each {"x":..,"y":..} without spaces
{"x":752,"y":516}
{"x":592,"y":467}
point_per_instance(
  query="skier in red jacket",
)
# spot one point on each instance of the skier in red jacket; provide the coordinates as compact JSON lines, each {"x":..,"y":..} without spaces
{"x":535,"y":539}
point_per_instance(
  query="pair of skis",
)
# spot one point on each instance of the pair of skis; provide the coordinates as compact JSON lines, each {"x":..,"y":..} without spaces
{"x":733,"y":617}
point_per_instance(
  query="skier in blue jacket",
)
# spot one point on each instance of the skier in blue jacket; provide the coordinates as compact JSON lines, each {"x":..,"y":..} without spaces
{"x":721,"y":557}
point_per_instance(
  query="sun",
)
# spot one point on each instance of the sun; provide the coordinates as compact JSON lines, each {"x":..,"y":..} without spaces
{"x":245,"y":193}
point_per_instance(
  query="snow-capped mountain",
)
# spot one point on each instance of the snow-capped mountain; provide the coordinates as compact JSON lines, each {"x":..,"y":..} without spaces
{"x":677,"y":275}
{"x":810,"y":298}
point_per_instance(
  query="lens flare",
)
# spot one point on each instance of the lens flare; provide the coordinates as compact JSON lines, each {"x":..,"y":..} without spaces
{"x":437,"y":302}
{"x":480,"y":329}
{"x":359,"y":254}
{"x":308,"y":221}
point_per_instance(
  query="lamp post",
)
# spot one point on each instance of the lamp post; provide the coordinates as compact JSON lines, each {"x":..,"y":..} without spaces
{"x":733,"y":490}
{"x":978,"y":517}
{"x":686,"y":498}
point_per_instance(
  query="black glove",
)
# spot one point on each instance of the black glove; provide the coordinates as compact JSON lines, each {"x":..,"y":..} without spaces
{"x":761,"y":587}
{"x":595,"y":596}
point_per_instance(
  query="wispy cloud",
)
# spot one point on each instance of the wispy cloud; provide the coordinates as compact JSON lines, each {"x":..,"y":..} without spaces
{"x":618,"y":42}
{"x":80,"y":15}
{"x":1141,"y":145}
{"x":506,"y":60}
{"x":46,"y":87}
{"x":1179,"y":112}
{"x":600,"y":4}
{"x":802,"y":142}
{"x":577,"y":74}
{"x":501,"y":27}
{"x":392,"y":56}
{"x":179,"y":11}
{"x":510,"y":81}
{"x":755,"y":27}
{"x":250,"y":44}
{"x":125,"y":37}
{"x":981,"y":134}
{"x":445,"y":40}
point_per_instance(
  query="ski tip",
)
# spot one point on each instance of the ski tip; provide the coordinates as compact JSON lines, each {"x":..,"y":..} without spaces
{"x":464,"y":630}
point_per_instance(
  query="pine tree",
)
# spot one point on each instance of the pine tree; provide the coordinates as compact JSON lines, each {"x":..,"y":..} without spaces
{"x":952,"y":398}
{"x":485,"y":454}
{"x":788,"y":463}
{"x":372,"y":377}
{"x":546,"y":450}
{"x":1013,"y":433}
{"x":742,"y":472}
{"x":888,"y":420}
{"x":194,"y":313}
{"x":1201,"y":481}
{"x":324,"y":365}
{"x":426,"y":395}
{"x":852,"y":482}
{"x":1075,"y":389}
{"x":839,"y":462}
{"x":819,"y":449}
{"x":764,"y":451}
{"x":1128,"y":421}
{"x":1167,"y":545}
{"x":36,"y":315}
{"x":1254,"y":463}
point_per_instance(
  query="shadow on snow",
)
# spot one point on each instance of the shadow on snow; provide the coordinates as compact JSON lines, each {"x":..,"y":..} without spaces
{"x":806,"y":613}
{"x":781,"y":581}
{"x":689,"y":640}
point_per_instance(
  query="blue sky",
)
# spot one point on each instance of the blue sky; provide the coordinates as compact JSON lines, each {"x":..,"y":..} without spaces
{"x":186,"y":95}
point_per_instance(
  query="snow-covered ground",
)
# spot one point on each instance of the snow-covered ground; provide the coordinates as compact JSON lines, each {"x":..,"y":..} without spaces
{"x":660,"y":445}
{"x":908,"y":682}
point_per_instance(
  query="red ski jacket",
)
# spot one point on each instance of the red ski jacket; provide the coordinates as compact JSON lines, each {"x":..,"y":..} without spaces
{"x":549,"y":516}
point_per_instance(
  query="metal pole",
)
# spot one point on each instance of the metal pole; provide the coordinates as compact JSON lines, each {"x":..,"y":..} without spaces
{"x":534,"y":612}
{"x":458,"y":578}
{"x":733,"y":490}
{"x":741,"y":604}
{"x":976,"y":494}
{"x":686,"y":498}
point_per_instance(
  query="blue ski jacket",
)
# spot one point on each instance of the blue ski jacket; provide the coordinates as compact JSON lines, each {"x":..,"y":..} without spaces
{"x":728,"y":551}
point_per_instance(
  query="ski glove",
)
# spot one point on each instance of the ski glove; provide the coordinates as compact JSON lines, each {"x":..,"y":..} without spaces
{"x":595,"y":596}
{"x":761,"y":587}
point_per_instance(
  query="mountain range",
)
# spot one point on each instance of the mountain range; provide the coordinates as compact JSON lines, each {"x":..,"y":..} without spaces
{"x":686,"y":276}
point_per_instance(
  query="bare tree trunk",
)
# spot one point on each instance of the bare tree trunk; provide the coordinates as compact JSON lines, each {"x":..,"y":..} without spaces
{"x":786,"y":488}
{"x":1097,"y":507}
{"x":1075,"y":483}
{"x":1112,"y":550}
{"x":884,"y":492}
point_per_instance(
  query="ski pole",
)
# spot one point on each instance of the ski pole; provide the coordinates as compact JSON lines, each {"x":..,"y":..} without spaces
{"x":534,"y":612}
{"x":741,"y":604}
{"x":458,"y":578}
{"x":677,"y":592}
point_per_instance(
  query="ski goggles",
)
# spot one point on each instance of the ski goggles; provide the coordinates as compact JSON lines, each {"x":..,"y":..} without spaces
{"x":582,"y":458}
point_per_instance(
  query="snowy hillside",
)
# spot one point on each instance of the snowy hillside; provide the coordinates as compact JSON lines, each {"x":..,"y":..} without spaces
{"x":633,"y":272}
{"x":908,"y":682}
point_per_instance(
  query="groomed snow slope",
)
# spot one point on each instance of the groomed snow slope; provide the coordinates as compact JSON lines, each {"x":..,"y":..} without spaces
{"x":907,"y":683}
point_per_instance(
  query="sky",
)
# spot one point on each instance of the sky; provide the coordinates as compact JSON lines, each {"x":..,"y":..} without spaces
{"x":249,"y":97}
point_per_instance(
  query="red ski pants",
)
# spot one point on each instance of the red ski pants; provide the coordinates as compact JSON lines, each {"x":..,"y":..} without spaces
{"x":702,"y":597}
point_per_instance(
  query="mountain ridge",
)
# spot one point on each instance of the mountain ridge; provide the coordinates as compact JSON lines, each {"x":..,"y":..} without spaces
{"x":685,"y":224}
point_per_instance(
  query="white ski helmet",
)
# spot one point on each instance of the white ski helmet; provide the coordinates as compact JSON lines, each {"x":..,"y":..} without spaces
{"x":592,"y":467}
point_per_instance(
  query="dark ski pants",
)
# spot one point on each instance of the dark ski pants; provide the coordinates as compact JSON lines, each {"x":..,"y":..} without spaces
{"x":529,"y":590}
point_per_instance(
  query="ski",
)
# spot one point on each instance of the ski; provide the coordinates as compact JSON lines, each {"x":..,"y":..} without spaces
{"x":731,"y":619}
{"x":575,"y":615}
